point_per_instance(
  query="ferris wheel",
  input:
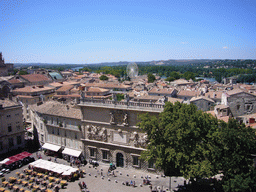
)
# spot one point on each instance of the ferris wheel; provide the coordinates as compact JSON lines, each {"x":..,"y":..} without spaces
{"x":132,"y":70}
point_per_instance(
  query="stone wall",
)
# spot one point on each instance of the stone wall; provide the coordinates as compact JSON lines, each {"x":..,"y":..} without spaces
{"x":241,"y":104}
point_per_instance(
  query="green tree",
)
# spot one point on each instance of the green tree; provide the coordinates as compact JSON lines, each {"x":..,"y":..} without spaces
{"x":119,"y":97}
{"x":188,"y":142}
{"x":189,"y":75}
{"x":237,"y":145}
{"x":180,"y":140}
{"x":151,"y":78}
{"x":170,"y":79}
{"x":85,"y":69}
{"x":175,"y":75}
{"x":103,"y":77}
{"x":22,"y":72}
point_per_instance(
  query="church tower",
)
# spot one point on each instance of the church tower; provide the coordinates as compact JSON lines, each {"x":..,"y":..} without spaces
{"x":1,"y":59}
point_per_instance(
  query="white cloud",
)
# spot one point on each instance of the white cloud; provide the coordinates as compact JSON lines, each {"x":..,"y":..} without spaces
{"x":184,"y":43}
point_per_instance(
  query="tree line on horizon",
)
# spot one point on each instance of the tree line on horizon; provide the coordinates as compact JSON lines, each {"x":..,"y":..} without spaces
{"x":244,"y":70}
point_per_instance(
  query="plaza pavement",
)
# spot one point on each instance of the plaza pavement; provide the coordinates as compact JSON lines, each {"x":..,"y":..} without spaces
{"x":112,"y":183}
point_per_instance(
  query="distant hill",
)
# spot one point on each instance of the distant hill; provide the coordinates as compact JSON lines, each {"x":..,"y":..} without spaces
{"x":159,"y":62}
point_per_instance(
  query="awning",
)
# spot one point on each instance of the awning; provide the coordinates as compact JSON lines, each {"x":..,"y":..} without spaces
{"x":4,"y":161}
{"x":71,"y":152}
{"x":16,"y":158}
{"x":51,"y":147}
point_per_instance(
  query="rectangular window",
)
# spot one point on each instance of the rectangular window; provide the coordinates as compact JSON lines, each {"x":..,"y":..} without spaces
{"x":42,"y":137}
{"x":41,"y":126}
{"x":104,"y":155}
{"x":52,"y":130}
{"x":135,"y":160}
{"x":58,"y":131}
{"x":9,"y":128}
{"x":18,"y":140}
{"x":1,"y":146}
{"x":75,"y":136}
{"x":10,"y":142}
{"x":92,"y":152}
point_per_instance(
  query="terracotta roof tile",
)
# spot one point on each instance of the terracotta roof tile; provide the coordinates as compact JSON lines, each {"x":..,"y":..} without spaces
{"x":14,"y":81}
{"x":35,"y":78}
{"x":188,"y":93}
{"x":201,"y":97}
{"x":8,"y":103}
{"x":58,"y":109}
{"x":65,"y":88}
{"x":161,"y":91}
{"x":32,"y":89}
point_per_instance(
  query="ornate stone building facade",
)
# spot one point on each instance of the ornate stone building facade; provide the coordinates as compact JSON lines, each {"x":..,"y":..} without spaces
{"x":111,"y":134}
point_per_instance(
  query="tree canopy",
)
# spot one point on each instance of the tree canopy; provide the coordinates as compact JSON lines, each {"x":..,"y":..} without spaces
{"x":103,"y":77}
{"x":151,"y":78}
{"x":188,"y":142}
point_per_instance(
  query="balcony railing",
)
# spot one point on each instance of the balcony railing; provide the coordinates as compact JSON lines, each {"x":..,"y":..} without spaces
{"x":122,"y":104}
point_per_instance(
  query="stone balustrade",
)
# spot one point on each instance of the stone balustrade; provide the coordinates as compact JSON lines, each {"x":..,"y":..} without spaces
{"x":122,"y":104}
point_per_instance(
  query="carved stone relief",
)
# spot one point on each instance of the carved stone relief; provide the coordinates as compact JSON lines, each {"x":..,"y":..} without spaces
{"x":112,"y":118}
{"x":118,"y":117}
{"x":139,"y":141}
{"x":97,"y":133}
{"x":125,"y":123}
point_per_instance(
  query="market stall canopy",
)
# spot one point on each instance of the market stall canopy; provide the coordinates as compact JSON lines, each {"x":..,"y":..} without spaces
{"x":71,"y":152}
{"x":17,"y":157}
{"x":51,"y":147}
{"x":4,"y":161}
{"x":55,"y":167}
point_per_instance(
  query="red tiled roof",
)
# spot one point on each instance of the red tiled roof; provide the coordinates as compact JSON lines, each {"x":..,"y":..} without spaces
{"x":13,"y":81}
{"x":65,"y":88}
{"x":35,"y":77}
{"x":96,"y":89}
{"x":188,"y":93}
{"x":163,"y":91}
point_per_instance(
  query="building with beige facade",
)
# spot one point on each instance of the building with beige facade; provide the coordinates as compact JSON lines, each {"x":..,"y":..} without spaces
{"x":12,"y":133}
{"x":96,"y":129}
{"x":58,"y":127}
{"x":111,"y":134}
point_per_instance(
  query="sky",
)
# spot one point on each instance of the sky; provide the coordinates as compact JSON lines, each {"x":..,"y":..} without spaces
{"x":95,"y":31}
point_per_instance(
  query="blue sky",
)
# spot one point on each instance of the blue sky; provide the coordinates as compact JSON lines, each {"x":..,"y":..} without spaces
{"x":93,"y":31}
